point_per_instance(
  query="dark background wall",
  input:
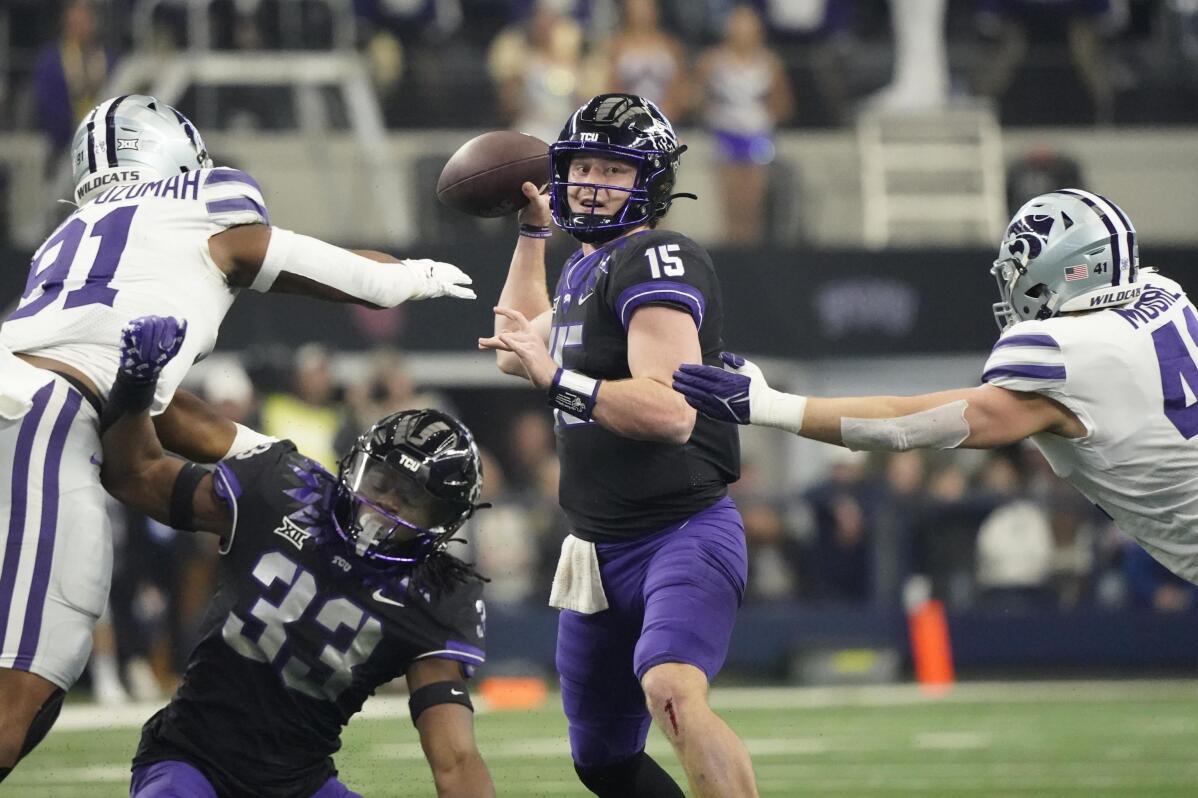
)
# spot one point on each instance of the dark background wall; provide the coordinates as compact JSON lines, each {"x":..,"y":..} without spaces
{"x":786,"y":303}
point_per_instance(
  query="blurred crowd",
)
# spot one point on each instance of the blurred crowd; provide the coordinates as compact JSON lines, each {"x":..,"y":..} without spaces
{"x":993,"y":531}
{"x":739,"y":70}
{"x":729,"y":65}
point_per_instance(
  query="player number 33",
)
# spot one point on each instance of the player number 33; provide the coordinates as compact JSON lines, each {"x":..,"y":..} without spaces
{"x":331,"y":672}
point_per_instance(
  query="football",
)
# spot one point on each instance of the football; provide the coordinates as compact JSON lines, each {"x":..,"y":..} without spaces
{"x":484,"y":176}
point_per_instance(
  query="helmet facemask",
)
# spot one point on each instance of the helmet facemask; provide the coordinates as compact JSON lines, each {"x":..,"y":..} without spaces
{"x":591,"y":227}
{"x":387,"y":515}
{"x":1037,"y":301}
{"x":623,"y":127}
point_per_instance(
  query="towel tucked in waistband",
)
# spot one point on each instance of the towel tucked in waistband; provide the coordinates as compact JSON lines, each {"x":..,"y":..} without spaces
{"x":577,"y":584}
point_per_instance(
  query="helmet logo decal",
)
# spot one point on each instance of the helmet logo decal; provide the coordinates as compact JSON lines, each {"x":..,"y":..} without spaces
{"x":1027,"y":236}
{"x":128,"y":144}
{"x":410,"y":463}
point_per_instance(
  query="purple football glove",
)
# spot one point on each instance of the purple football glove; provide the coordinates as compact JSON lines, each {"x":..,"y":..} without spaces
{"x":723,"y":395}
{"x":148,"y":344}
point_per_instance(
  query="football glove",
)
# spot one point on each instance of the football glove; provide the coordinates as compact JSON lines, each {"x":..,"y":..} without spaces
{"x":148,"y":344}
{"x":738,"y":393}
{"x":434,"y":279}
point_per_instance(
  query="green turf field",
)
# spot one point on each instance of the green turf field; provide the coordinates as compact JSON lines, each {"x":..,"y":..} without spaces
{"x":1027,"y":739}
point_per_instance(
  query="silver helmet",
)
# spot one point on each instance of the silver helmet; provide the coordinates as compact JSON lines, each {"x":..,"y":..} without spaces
{"x":1064,"y":252}
{"x":133,"y":138}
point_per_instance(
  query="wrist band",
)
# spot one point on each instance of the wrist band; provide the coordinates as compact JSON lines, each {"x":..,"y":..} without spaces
{"x":535,"y":231}
{"x":573,"y":393}
{"x":127,"y":396}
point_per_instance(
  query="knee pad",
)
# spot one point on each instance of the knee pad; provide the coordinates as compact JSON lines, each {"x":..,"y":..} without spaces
{"x":639,"y":776}
{"x":40,"y":726}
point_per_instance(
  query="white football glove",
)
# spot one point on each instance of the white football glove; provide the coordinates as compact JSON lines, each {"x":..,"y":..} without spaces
{"x":432,"y":279}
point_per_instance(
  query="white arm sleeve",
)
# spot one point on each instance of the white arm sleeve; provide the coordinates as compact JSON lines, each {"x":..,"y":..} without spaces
{"x":382,"y":284}
{"x":246,"y":439}
{"x":335,"y":267}
{"x":942,"y":427}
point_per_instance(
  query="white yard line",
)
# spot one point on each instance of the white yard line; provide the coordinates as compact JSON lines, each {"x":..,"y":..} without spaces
{"x":89,"y":717}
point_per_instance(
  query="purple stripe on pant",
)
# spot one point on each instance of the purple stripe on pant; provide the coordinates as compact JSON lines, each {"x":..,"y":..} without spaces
{"x":49,"y":528}
{"x":672,"y":597}
{"x":19,"y":502}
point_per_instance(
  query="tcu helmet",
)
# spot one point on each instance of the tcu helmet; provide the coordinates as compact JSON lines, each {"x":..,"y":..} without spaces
{"x":623,"y":126}
{"x":424,"y":461}
{"x":133,"y":138}
{"x":1064,"y":252}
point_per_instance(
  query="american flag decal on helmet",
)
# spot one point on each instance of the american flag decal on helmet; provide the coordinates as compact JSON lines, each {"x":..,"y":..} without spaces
{"x":1078,"y":272}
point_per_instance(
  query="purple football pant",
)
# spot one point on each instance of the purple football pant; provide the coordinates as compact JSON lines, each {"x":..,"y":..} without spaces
{"x":175,"y":779}
{"x":672,"y":597}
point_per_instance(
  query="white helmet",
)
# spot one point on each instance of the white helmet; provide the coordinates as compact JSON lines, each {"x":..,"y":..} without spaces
{"x":1064,"y":252}
{"x":133,"y":138}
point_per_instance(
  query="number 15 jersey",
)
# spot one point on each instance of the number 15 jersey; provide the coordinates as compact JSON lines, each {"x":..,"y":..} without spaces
{"x":1129,"y":375}
{"x":612,"y":487}
{"x":135,"y":249}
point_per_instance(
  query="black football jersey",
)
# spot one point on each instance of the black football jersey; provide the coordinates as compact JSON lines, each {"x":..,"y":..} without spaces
{"x":613,"y":487}
{"x":297,"y":637}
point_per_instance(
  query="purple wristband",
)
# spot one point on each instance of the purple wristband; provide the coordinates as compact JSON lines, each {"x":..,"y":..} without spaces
{"x":535,"y":231}
{"x":574,"y":393}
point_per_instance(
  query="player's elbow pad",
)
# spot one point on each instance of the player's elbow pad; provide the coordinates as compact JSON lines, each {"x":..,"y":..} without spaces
{"x":943,"y":427}
{"x":382,"y":284}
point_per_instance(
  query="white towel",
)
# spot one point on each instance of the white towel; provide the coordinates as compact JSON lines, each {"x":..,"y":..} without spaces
{"x":577,"y":584}
{"x":19,"y":381}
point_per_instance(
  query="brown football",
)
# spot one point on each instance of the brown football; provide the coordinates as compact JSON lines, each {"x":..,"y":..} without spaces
{"x":484,"y":176}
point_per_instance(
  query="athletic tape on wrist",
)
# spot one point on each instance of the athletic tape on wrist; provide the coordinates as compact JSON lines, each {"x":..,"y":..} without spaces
{"x":574,"y":393}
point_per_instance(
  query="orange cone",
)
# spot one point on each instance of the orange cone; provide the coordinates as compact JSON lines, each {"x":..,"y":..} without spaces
{"x":513,"y":692}
{"x":930,"y":647}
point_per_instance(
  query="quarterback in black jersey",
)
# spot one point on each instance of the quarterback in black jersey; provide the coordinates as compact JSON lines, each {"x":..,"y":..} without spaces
{"x":329,"y":587}
{"x":651,"y":578}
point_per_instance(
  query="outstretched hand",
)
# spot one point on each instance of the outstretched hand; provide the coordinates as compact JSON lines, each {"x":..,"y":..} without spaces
{"x":148,"y":343}
{"x":436,"y":279}
{"x":526,"y":344}
{"x":725,"y":394}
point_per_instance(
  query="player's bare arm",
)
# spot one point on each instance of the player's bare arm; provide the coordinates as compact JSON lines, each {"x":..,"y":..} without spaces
{"x":273,"y":259}
{"x":525,"y":289}
{"x":447,"y":731}
{"x":660,"y":339}
{"x":982,"y":417}
{"x":136,"y":469}
{"x":191,"y":428}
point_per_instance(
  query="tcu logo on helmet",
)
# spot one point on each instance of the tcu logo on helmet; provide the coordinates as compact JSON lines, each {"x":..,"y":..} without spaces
{"x":1027,"y":236}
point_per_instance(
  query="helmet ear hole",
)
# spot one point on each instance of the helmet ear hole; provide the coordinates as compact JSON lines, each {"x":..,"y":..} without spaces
{"x":1036,"y":291}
